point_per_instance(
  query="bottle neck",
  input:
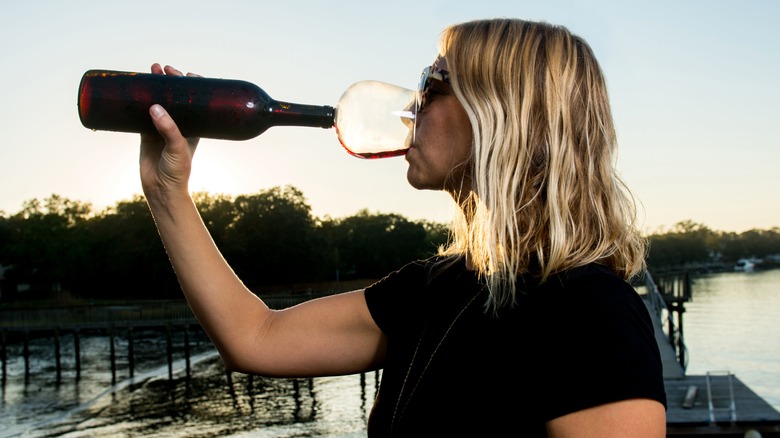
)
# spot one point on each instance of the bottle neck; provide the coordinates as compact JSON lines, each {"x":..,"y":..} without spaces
{"x":296,"y":114}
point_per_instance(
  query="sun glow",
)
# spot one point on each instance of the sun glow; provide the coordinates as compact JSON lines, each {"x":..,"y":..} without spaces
{"x":214,"y":172}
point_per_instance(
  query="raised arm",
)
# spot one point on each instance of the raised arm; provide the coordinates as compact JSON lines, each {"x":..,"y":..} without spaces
{"x":640,"y":418}
{"x":332,"y":335}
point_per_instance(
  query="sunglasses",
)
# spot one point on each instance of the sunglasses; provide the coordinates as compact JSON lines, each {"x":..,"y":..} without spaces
{"x":432,"y":80}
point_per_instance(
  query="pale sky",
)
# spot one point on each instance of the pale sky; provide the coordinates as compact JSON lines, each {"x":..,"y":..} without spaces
{"x":694,"y":88}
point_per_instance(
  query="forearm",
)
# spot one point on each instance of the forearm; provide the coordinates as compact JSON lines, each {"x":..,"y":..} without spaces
{"x":228,"y":311}
{"x":334,"y":335}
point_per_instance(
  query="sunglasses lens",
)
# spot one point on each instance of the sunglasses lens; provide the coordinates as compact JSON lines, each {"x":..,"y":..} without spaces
{"x":420,"y":99}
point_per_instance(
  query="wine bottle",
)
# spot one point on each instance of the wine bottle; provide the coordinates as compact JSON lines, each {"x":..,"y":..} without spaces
{"x":372,"y":119}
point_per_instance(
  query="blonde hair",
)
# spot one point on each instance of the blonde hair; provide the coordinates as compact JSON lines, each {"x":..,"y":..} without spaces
{"x":545,"y":195}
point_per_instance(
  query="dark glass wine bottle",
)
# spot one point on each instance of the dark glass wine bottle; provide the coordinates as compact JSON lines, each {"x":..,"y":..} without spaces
{"x":372,"y":119}
{"x":202,"y":107}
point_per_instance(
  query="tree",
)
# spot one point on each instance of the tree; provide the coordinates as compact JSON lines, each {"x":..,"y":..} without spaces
{"x":751,"y":243}
{"x":273,"y":238}
{"x":687,"y":243}
{"x":127,"y":258}
{"x":436,"y":233}
{"x":43,"y":248}
{"x":371,"y":245}
{"x":218,"y":213}
{"x":6,"y":234}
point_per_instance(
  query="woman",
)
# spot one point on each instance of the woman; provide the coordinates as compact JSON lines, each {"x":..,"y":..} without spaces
{"x":524,"y":324}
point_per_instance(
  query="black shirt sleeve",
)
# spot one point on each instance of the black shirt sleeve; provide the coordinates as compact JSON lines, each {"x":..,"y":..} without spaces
{"x":597,"y":346}
{"x":391,"y":299}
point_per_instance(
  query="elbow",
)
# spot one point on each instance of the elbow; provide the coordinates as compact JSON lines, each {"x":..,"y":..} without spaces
{"x":242,"y":353}
{"x":231,"y":365}
{"x":230,"y":361}
{"x":235,"y":363}
{"x":242,"y":365}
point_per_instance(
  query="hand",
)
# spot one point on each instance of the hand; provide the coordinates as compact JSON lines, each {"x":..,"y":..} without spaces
{"x":166,"y":157}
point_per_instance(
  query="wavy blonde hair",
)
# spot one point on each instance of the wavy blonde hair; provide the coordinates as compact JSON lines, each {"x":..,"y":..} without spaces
{"x":544,"y":192}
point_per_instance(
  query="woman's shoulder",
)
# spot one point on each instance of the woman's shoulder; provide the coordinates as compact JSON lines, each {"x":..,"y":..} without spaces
{"x":591,"y":287}
{"x":427,"y":268}
{"x":588,"y":277}
{"x":407,"y":293}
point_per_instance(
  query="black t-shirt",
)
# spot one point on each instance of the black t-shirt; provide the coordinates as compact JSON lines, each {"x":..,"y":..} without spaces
{"x":581,"y":339}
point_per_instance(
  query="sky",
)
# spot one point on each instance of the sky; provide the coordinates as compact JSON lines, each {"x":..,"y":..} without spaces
{"x":693,"y":85}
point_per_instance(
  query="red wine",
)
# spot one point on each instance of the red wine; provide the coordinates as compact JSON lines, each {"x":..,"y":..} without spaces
{"x":369,"y":154}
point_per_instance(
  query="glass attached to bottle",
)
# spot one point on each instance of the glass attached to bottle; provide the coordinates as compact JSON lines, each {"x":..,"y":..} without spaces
{"x":372,"y":119}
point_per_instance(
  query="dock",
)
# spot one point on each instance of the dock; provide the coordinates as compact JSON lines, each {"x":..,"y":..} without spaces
{"x":717,"y":404}
{"x":169,"y":318}
{"x":689,"y":412}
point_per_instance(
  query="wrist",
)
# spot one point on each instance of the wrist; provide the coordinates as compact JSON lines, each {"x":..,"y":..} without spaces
{"x":165,"y":200}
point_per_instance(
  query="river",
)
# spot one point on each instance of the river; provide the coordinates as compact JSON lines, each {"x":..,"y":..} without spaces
{"x":732,"y":323}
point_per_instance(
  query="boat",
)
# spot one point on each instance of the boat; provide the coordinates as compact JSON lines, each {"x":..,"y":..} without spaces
{"x":745,"y":265}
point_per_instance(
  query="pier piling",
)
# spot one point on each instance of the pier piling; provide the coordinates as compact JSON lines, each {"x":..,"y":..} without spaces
{"x":26,"y":355}
{"x":112,"y":349}
{"x":3,"y":355}
{"x":57,"y":359}
{"x":130,"y":352}
{"x":77,"y":353}
{"x":187,"y":349}
{"x":169,"y":350}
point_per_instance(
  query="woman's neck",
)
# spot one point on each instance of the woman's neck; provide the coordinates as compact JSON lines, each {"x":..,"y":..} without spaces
{"x":467,"y":203}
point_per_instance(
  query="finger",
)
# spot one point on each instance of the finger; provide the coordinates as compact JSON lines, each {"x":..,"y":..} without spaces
{"x":194,"y":75}
{"x":151,"y":146}
{"x":172,"y":71}
{"x":152,"y":138}
{"x":157,"y":69}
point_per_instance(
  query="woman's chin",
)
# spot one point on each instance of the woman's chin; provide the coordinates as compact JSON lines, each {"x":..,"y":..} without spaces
{"x":413,"y":179}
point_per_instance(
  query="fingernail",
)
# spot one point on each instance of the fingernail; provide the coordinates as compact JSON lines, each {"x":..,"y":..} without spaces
{"x":157,"y":111}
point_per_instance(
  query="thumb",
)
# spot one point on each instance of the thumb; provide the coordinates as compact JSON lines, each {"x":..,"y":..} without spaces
{"x":167,"y":128}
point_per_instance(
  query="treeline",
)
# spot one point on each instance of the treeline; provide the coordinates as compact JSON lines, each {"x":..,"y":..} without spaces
{"x":690,"y":245}
{"x":60,"y":246}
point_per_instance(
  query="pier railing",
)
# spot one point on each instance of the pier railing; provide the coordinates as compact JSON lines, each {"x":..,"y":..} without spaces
{"x":665,"y":300}
{"x":131,"y":315}
{"x":20,"y":326}
{"x":97,"y":317}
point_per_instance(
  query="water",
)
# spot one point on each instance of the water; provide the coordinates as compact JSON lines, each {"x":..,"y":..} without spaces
{"x":207,"y":402}
{"x":732,"y":323}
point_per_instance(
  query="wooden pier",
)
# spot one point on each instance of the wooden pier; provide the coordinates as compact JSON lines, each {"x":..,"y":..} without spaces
{"x":169,"y":318}
{"x":73,"y":323}
{"x":714,"y":405}
{"x":690,"y":414}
